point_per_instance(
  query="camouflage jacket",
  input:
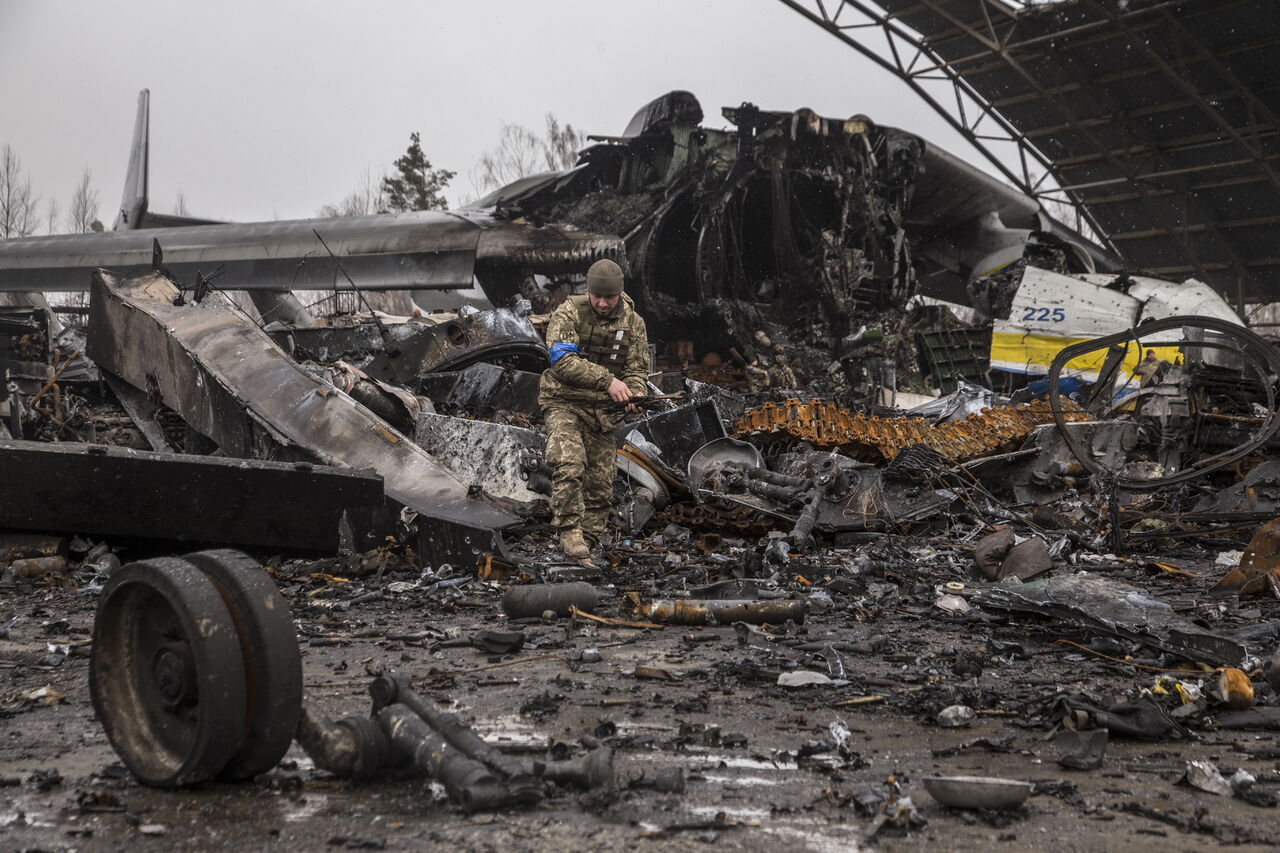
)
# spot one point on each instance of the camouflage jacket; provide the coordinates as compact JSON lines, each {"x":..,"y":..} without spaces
{"x":588,"y":352}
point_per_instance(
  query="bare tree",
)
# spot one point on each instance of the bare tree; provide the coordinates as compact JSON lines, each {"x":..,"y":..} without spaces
{"x":18,"y":214}
{"x":52,"y":213}
{"x":84,"y":205}
{"x":180,"y":204}
{"x":519,"y":153}
{"x":561,"y":144}
{"x":368,"y":197}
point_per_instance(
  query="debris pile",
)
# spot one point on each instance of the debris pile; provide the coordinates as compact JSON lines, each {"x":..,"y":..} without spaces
{"x":1020,"y":596}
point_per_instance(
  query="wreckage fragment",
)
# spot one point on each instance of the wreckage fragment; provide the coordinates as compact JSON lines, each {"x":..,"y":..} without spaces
{"x":1101,"y":604}
{"x":169,"y":496}
{"x":468,"y":782}
{"x":352,"y":747}
{"x":167,"y":676}
{"x":229,"y":381}
{"x":485,"y":391}
{"x":518,"y":784}
{"x":692,"y":611}
{"x":878,"y":440}
{"x":593,"y":771}
{"x":498,"y":336}
{"x":499,"y":457}
{"x":977,"y":792}
{"x":532,"y":600}
{"x":1260,"y":355}
{"x":1259,"y":568}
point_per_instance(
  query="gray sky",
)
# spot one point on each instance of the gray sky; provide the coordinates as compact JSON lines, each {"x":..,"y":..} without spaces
{"x":264,"y":110}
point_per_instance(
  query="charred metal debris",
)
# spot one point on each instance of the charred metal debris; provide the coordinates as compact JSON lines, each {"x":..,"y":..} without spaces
{"x":1085,"y":469}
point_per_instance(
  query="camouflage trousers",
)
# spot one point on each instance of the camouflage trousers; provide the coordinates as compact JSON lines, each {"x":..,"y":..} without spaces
{"x":583,"y":468}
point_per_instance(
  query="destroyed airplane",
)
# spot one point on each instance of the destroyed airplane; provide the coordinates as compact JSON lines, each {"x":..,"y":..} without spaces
{"x":1102,"y":439}
{"x":822,"y":224}
{"x":789,"y":239}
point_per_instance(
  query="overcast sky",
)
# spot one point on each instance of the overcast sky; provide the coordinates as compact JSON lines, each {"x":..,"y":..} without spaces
{"x":263,"y":110}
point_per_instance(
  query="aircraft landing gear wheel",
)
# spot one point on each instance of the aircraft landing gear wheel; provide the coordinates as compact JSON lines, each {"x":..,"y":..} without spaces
{"x":166,"y":673}
{"x":272,"y":660}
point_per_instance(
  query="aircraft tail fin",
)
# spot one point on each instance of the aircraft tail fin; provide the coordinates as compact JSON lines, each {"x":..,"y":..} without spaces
{"x":133,"y":202}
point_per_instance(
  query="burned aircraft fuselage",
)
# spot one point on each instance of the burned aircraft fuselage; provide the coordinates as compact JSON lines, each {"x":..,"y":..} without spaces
{"x":792,"y":210}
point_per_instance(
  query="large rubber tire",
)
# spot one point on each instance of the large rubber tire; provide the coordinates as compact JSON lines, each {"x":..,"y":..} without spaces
{"x":272,"y":660}
{"x":166,"y":674}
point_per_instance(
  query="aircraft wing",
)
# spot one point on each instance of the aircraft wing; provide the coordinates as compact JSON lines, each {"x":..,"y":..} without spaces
{"x":417,"y":250}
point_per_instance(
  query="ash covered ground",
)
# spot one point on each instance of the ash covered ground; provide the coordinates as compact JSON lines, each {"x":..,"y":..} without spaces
{"x":763,"y":764}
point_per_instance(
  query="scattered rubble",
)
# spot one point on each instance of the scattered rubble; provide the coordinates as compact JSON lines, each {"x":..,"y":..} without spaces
{"x":811,"y":604}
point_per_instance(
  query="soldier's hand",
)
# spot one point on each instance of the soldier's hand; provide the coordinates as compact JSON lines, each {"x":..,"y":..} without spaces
{"x":632,"y":408}
{"x":618,"y":391}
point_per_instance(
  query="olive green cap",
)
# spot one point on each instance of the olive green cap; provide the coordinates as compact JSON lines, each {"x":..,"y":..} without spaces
{"x":604,"y":278}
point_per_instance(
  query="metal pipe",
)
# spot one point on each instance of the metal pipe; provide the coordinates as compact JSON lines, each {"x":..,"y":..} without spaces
{"x":468,"y":782}
{"x":395,"y":689}
{"x":535,"y":599}
{"x":693,"y":611}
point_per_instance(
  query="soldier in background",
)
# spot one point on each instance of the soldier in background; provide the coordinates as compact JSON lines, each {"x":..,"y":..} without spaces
{"x":782,"y":376}
{"x":599,"y":351}
{"x":1147,"y":369}
{"x":757,"y":377}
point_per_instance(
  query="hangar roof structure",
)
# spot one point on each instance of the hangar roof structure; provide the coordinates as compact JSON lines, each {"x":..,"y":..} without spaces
{"x":1157,"y":120}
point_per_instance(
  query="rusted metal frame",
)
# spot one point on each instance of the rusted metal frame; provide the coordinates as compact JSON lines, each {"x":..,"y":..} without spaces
{"x":1026,"y":151}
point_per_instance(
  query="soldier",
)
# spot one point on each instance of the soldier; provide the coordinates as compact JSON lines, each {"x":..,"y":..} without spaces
{"x":782,"y":376}
{"x":757,"y":377}
{"x":1147,"y":369}
{"x":599,"y":360}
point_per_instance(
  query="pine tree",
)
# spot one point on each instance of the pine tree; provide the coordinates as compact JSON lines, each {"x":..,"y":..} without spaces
{"x":416,"y":186}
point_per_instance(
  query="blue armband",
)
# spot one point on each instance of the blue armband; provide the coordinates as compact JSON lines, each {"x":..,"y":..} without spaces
{"x":559,"y":351}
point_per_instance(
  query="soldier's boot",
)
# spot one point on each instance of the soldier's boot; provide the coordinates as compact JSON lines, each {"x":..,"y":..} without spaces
{"x":593,"y":525}
{"x":572,"y":545}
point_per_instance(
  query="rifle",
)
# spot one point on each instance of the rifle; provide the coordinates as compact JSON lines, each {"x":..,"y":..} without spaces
{"x":648,"y":401}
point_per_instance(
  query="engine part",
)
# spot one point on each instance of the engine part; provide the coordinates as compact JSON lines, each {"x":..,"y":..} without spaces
{"x":522,"y":602}
{"x":693,"y":611}
{"x":389,"y":690}
{"x":468,"y":782}
{"x":592,"y":771}
{"x":353,"y":747}
{"x":718,"y":454}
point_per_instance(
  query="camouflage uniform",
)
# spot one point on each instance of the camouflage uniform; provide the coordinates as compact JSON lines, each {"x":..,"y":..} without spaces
{"x":782,"y":376}
{"x":757,"y":377}
{"x":587,"y":353}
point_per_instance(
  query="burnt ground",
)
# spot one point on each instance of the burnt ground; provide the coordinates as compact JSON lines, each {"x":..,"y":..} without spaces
{"x":701,"y":700}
